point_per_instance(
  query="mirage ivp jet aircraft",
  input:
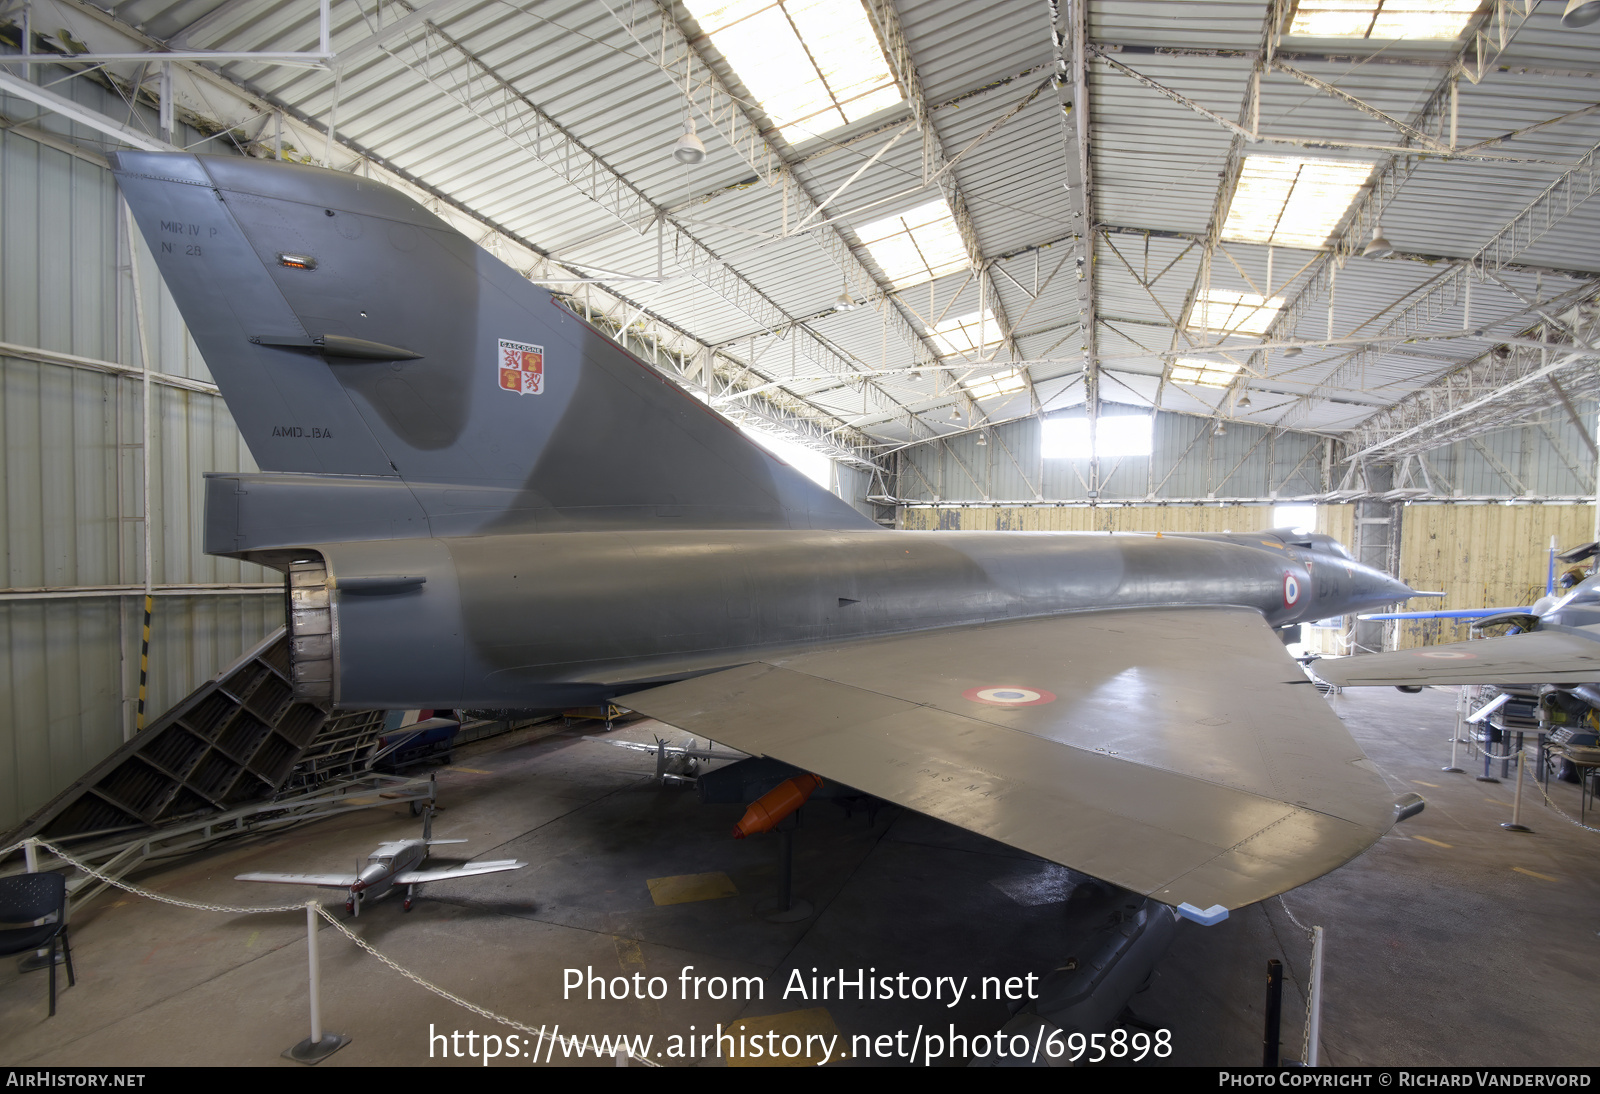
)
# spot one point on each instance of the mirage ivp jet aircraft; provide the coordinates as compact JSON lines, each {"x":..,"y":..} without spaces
{"x":480,"y":500}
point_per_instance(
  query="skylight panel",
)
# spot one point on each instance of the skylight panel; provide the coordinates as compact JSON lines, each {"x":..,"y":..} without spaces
{"x":1234,"y":312}
{"x":1383,"y":19}
{"x":1001,"y":383}
{"x":812,"y":65}
{"x":1204,"y":371}
{"x":917,"y":245}
{"x":965,"y":333}
{"x":1292,"y":202}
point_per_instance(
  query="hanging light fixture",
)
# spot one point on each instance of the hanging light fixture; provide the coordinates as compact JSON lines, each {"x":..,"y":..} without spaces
{"x":689,"y":148}
{"x":982,"y":440}
{"x":1379,"y":247}
{"x":1293,"y":351}
{"x":1244,"y":401}
{"x":1221,"y":429}
{"x":844,"y":301}
{"x":955,"y":415}
{"x":1580,"y":13}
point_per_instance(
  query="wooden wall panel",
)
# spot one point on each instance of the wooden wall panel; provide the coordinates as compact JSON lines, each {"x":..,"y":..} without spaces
{"x":1482,"y":556}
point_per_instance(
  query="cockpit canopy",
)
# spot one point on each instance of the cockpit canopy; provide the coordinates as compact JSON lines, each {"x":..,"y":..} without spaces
{"x":1311,"y":541}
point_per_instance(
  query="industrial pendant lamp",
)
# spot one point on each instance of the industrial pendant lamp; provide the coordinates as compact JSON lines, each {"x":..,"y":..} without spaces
{"x":955,"y":415}
{"x":845,"y":302}
{"x":690,"y":148}
{"x":1379,"y":247}
{"x":1244,"y":401}
{"x":1293,"y":351}
{"x":982,"y":440}
{"x":1580,"y":13}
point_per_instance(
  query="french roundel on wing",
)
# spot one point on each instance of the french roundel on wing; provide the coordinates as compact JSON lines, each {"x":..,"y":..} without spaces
{"x":1291,"y":590}
{"x":1008,"y":696}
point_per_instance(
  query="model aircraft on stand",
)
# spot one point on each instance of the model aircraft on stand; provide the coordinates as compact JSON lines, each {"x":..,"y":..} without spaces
{"x":480,"y":500}
{"x":393,"y":865}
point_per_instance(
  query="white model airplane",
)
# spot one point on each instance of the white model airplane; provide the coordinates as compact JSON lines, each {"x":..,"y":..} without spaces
{"x":392,"y":864}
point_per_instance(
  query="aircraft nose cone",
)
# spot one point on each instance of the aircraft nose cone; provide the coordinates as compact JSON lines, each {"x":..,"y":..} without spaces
{"x":1397,"y":589}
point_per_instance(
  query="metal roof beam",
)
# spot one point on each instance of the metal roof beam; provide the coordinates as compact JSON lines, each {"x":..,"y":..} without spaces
{"x":938,"y":166}
{"x":1069,"y":40}
{"x":478,"y":88}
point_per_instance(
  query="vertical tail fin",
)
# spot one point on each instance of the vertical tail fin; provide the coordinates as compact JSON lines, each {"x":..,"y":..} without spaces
{"x":352,"y":332}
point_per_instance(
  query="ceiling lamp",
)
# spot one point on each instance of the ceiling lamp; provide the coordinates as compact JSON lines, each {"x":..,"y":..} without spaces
{"x":1221,"y":429}
{"x":1244,"y":401}
{"x":845,"y":302}
{"x":1580,"y":13}
{"x":690,"y":148}
{"x":982,"y":440}
{"x":955,"y":415}
{"x":1379,"y":247}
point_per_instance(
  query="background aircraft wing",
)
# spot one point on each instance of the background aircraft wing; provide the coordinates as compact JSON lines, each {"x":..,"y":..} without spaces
{"x":1179,"y":753}
{"x":466,"y":869}
{"x":327,"y":881}
{"x":1550,"y":655}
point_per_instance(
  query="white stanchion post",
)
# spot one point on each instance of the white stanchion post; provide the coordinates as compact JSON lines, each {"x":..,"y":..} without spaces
{"x":315,"y":971}
{"x":1455,"y":734}
{"x":1515,"y":824}
{"x":1314,"y":1018}
{"x":319,"y":1046}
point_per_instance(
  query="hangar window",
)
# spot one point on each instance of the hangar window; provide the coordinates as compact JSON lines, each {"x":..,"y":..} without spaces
{"x":965,"y":333}
{"x":1234,"y":312}
{"x":1115,"y":435}
{"x":917,"y":245}
{"x":813,"y":465}
{"x":1383,"y":18}
{"x":1290,"y":201}
{"x":812,"y":65}
{"x":1302,"y":518}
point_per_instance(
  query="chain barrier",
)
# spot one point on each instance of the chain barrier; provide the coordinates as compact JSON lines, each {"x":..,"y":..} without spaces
{"x":539,"y":1035}
{"x":1564,"y":814}
{"x":1305,"y":1046}
{"x":568,"y":1045}
{"x":149,"y":894}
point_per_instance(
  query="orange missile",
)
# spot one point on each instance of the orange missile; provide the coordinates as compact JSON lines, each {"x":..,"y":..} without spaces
{"x":766,"y":811}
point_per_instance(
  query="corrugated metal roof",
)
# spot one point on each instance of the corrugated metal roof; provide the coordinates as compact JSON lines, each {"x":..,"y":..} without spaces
{"x":452,"y":108}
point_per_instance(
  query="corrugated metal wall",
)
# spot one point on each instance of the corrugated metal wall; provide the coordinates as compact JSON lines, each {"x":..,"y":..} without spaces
{"x":1482,"y":556}
{"x":71,"y":472}
{"x":1551,"y":459}
{"x":1190,"y":461}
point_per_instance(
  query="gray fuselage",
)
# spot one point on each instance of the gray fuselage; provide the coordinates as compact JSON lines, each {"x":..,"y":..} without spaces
{"x":553,"y":620}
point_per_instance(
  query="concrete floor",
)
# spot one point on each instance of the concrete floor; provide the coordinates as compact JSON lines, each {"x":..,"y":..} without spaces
{"x":1450,"y":942}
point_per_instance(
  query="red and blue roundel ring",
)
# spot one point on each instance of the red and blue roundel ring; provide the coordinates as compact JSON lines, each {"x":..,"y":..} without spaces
{"x":1291,"y":590}
{"x":1007,"y":696}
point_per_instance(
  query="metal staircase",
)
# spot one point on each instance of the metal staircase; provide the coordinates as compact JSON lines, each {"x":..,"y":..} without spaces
{"x":241,"y":738}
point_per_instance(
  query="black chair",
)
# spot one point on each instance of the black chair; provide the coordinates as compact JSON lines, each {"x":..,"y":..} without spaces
{"x":25,"y":898}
